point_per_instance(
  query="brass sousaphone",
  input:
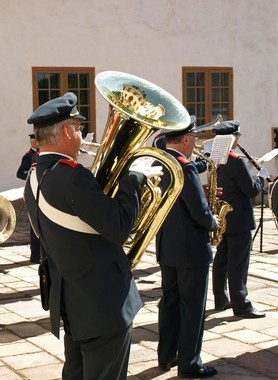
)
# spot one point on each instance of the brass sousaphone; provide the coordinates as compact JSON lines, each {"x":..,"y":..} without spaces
{"x":137,"y":109}
{"x":7,"y":219}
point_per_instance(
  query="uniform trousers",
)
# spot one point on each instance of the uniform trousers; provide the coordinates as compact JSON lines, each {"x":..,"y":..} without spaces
{"x":231,"y":265}
{"x":34,"y":246}
{"x":181,"y":316}
{"x":102,"y":358}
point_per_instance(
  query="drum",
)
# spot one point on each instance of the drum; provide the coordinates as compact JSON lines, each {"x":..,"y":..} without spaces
{"x":273,"y":199}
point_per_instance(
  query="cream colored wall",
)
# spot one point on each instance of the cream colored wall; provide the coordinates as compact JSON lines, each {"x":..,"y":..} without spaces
{"x":153,"y":39}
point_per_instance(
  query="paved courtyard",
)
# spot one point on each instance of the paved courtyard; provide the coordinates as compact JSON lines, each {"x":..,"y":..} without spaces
{"x":239,"y":349}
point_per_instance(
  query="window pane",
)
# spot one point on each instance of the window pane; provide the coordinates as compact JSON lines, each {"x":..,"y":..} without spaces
{"x":200,"y":94}
{"x":191,"y":109}
{"x":201,"y":121}
{"x":225,"y":95}
{"x":215,"y":94}
{"x":190,"y":79}
{"x":43,"y":97}
{"x":200,"y":79}
{"x":54,"y":80}
{"x":201,"y":108}
{"x":216,"y":109}
{"x":190,"y":94}
{"x":224,"y":79}
{"x":84,"y":97}
{"x":54,"y":94}
{"x":84,"y":111}
{"x":85,"y":130}
{"x":72,"y":81}
{"x":215,"y":79}
{"x":224,"y":109}
{"x":84,"y":80}
{"x":43,"y":81}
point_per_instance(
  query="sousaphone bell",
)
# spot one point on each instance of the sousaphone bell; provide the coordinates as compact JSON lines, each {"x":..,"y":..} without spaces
{"x":7,"y":219}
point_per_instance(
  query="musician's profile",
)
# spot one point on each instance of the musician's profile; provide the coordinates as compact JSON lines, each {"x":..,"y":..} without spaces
{"x":231,"y":261}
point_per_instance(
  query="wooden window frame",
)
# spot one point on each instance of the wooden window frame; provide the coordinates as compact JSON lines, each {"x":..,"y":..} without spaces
{"x":63,"y":72}
{"x":209,"y":115}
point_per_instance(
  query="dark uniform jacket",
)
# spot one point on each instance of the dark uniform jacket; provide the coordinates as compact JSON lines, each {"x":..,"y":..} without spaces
{"x":183,"y":239}
{"x":90,"y":273}
{"x":26,"y":162}
{"x":238,"y":190}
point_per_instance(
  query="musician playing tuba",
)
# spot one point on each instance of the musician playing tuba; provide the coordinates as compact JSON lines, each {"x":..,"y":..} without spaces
{"x":230,"y":267}
{"x":184,"y":254}
{"x":82,"y":231}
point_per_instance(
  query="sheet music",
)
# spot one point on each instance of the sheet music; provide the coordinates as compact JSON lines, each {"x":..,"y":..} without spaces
{"x":221,"y":148}
{"x":269,"y":156}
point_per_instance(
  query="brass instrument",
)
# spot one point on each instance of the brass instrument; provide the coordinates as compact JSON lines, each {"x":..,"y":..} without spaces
{"x":7,"y":219}
{"x":137,"y":109}
{"x":209,"y":126}
{"x":217,"y":206}
{"x":273,"y":199}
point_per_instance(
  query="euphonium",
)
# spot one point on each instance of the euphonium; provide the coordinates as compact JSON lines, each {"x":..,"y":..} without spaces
{"x":216,"y":205}
{"x":137,"y":109}
{"x":7,"y":219}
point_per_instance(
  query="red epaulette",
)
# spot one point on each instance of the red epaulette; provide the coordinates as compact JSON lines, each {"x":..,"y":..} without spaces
{"x":234,"y":155}
{"x":69,"y":162}
{"x":33,"y":164}
{"x":183,"y":160}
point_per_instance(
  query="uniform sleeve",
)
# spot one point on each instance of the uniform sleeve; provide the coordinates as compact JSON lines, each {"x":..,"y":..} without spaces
{"x":113,"y":218}
{"x":194,"y":197}
{"x":244,"y":180}
{"x":200,"y":164}
{"x":25,"y":165}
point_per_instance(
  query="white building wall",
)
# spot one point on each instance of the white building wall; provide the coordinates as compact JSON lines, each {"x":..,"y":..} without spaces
{"x":152,"y":39}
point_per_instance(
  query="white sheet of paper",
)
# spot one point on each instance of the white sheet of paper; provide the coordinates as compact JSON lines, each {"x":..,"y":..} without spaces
{"x":221,"y":147}
{"x":269,"y":156}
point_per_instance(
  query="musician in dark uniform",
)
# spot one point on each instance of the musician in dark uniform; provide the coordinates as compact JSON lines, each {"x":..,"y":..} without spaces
{"x":82,"y":231}
{"x":160,"y":143}
{"x":184,"y":254}
{"x":27,"y":160}
{"x":231,"y":261}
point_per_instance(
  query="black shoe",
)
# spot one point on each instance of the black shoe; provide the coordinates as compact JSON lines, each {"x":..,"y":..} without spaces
{"x":226,"y":306}
{"x":204,"y":371}
{"x":167,"y":366}
{"x":253,"y":313}
{"x":34,"y":261}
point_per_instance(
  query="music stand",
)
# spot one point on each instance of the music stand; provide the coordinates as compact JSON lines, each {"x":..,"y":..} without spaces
{"x":261,"y":222}
{"x":267,"y":157}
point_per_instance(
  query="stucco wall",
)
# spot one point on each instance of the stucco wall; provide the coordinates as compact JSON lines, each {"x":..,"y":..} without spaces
{"x":153,"y":39}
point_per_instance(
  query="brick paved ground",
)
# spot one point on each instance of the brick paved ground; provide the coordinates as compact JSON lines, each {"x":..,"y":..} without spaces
{"x":239,"y":349}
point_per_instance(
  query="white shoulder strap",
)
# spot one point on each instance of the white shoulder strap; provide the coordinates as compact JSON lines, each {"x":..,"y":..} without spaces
{"x":61,"y":218}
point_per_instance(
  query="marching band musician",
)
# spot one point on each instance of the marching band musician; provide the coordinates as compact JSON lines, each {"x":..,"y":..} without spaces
{"x":231,"y":261}
{"x":184,"y":254}
{"x":26,"y":162}
{"x":28,"y":159}
{"x":82,"y":231}
{"x":160,"y":143}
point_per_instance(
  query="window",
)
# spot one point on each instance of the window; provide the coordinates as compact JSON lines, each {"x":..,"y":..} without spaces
{"x":208,"y":92}
{"x":49,"y":83}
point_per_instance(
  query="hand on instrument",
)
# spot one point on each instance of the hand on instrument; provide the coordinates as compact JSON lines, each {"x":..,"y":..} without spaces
{"x":143,"y":165}
{"x":217,"y":219}
{"x":263,"y":173}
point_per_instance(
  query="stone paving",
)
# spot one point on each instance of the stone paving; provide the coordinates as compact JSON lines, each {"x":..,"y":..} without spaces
{"x":240,"y":349}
